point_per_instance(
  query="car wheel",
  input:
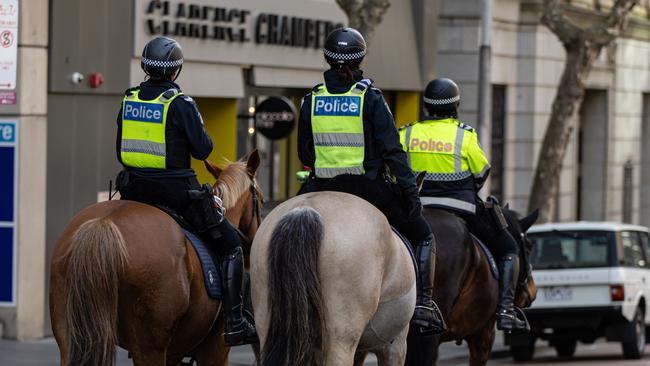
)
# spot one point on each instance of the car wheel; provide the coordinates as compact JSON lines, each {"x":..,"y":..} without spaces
{"x":633,"y":349}
{"x":522,"y":353}
{"x":566,"y":348}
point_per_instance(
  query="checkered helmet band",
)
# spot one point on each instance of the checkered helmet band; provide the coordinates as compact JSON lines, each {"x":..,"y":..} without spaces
{"x":441,"y":101}
{"x":344,"y":56}
{"x":157,"y":63}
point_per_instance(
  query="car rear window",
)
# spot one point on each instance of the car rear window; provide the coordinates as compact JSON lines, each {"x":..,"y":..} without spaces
{"x":571,"y":249}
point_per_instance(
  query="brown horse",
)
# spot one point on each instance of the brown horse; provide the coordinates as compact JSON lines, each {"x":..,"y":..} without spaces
{"x":124,"y":274}
{"x":465,"y":290}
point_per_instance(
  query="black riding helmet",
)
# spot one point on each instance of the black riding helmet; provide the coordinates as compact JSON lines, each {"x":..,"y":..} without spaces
{"x":162,"y":56}
{"x":344,"y":46}
{"x":442,"y":96}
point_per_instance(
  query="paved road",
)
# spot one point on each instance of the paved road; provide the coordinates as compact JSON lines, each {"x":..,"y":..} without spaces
{"x":45,"y":353}
{"x":597,"y":354}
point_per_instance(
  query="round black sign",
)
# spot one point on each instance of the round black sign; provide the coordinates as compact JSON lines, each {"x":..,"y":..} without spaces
{"x":275,"y":117}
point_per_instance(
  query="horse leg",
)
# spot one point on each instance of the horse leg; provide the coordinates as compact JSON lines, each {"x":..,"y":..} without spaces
{"x":359,"y":358}
{"x":338,"y":353}
{"x":213,"y":350}
{"x":480,"y":345}
{"x":394,"y":353}
{"x":422,"y":350}
{"x":150,"y":358}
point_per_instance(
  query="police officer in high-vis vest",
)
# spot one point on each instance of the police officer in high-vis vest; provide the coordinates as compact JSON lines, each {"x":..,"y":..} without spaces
{"x":346,"y":136}
{"x":159,"y":129}
{"x":456,"y":169}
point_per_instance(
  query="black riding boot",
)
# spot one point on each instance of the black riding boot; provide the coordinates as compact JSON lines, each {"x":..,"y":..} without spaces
{"x":427,"y":316}
{"x":507,"y":319}
{"x":238,"y":329}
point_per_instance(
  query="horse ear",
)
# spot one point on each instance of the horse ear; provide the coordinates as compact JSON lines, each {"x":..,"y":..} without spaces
{"x":419,"y":180}
{"x":507,"y":206}
{"x":253,"y":162}
{"x":529,"y":220}
{"x":213,"y":169}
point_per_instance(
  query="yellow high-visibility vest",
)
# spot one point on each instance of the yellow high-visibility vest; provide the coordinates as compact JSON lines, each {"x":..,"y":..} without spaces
{"x":143,"y":129}
{"x":337,"y":128}
{"x":450,"y":154}
{"x":446,"y":149}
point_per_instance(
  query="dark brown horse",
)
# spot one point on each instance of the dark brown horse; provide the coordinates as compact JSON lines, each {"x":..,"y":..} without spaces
{"x":465,"y":290}
{"x":124,"y":274}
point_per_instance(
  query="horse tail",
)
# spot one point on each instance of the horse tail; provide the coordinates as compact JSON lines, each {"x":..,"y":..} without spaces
{"x":96,"y":258}
{"x":295,"y":298}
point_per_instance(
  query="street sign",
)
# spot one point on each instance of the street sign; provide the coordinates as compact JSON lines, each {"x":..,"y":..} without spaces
{"x":8,"y":210}
{"x":8,"y":44}
{"x":275,"y":117}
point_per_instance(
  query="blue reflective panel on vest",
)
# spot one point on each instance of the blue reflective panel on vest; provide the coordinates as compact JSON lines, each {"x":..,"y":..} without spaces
{"x":337,"y":106}
{"x":143,"y":112}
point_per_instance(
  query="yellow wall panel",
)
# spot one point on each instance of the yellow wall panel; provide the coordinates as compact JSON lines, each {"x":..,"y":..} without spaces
{"x":220,"y":118}
{"x":407,"y":107}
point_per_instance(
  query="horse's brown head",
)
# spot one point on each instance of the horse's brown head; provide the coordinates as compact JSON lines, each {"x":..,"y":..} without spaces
{"x":242,"y":198}
{"x":526,"y":288}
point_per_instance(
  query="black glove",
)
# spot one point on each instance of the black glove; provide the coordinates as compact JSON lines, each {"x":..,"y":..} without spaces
{"x":411,"y":197}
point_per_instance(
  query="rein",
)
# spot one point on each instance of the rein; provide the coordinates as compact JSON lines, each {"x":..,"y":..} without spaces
{"x":257,"y":214}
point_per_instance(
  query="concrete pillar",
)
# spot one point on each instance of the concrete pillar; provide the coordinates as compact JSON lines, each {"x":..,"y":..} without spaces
{"x":25,"y":319}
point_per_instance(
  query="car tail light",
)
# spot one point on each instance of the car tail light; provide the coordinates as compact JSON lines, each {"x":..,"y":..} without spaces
{"x":617,"y":292}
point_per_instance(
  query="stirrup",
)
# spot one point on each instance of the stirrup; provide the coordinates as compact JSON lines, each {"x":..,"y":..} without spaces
{"x":432,"y":330}
{"x":241,"y":336}
{"x":522,"y":317}
{"x":517,"y":316}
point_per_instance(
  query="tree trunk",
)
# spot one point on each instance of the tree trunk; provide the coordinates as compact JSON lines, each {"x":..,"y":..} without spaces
{"x":582,"y":46}
{"x":364,"y":15}
{"x":570,"y":92}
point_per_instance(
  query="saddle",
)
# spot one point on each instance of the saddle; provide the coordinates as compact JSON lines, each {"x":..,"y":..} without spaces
{"x":408,"y":247}
{"x":490,"y":258}
{"x":207,"y":257}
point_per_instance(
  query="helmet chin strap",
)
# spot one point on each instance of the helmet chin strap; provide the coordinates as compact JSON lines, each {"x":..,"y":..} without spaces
{"x":178,"y":73}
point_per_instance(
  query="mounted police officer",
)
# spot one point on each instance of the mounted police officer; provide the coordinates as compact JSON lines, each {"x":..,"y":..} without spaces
{"x":456,"y":169}
{"x":158,"y":129}
{"x":347,"y":136}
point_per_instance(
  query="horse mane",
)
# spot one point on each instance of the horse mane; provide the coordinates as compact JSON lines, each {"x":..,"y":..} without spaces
{"x":232,"y":183}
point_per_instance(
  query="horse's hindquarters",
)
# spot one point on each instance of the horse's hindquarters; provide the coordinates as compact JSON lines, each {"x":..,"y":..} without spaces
{"x":366,"y":279}
{"x":387,"y":323}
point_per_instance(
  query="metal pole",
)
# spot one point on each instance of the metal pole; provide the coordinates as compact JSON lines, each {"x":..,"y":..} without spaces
{"x":484,"y":82}
{"x":485,"y":86}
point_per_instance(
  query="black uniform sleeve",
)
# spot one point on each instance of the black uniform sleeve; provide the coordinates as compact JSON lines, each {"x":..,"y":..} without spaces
{"x":387,"y":140}
{"x":118,"y":136}
{"x":199,"y":140}
{"x":306,"y":152}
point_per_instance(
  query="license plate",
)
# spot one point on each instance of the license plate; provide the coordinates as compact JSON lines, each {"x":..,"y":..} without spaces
{"x":558,"y":294}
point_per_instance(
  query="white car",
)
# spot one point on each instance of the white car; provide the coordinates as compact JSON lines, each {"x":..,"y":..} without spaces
{"x":593,"y":281}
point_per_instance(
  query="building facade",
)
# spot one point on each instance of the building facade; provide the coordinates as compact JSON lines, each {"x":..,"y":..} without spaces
{"x":606,"y":174}
{"x":77,"y":57}
{"x":75,"y":60}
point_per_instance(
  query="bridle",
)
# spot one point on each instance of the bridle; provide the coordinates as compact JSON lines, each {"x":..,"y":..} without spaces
{"x":256,"y":217}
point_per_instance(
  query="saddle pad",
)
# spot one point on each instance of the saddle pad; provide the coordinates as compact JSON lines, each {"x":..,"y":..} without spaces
{"x":408,"y":247}
{"x":490,"y":258}
{"x":209,"y":265}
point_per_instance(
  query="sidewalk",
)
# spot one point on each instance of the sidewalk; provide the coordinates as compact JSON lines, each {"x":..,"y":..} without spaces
{"x":45,"y":353}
